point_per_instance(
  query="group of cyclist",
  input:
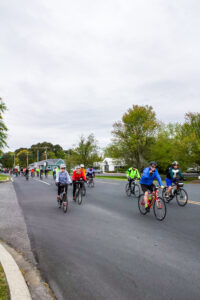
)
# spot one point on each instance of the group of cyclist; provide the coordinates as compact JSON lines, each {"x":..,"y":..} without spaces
{"x":79,"y":177}
{"x":149,"y":174}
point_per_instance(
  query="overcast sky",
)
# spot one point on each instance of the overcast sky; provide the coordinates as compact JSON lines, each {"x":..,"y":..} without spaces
{"x":74,"y":67}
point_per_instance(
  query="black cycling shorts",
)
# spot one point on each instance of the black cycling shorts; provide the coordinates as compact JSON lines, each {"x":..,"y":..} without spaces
{"x":146,"y":188}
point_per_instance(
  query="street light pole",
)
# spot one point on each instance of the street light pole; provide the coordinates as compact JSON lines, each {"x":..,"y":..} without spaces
{"x":27,"y":159}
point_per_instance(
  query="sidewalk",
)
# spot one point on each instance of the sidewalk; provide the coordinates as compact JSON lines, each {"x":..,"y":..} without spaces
{"x":13,"y":231}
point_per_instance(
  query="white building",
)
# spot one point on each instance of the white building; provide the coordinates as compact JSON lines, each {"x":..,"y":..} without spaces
{"x":110,"y":165}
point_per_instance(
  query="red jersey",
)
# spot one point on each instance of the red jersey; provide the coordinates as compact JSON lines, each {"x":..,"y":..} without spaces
{"x":78,"y":175}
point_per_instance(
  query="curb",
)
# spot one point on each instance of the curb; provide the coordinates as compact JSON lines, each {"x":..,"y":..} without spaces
{"x":17,"y":285}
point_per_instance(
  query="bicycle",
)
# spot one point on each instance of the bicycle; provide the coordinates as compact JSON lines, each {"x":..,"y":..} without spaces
{"x":63,"y":201}
{"x":90,"y":182}
{"x":79,"y":192}
{"x":178,"y":191}
{"x":133,"y":190}
{"x":158,"y":203}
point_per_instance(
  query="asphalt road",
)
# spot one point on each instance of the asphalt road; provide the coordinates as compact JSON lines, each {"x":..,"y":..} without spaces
{"x":104,"y":249}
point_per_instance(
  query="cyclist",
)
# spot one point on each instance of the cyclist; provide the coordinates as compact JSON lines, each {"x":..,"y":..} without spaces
{"x":90,"y":173}
{"x":149,"y":174}
{"x":38,"y":171}
{"x":26,"y":172}
{"x":46,"y":172}
{"x":131,"y":174}
{"x":54,"y":173}
{"x":41,"y":173}
{"x":32,"y":172}
{"x":57,"y":169}
{"x":171,"y":177}
{"x":83,"y":169}
{"x":62,"y":179}
{"x":77,"y":175}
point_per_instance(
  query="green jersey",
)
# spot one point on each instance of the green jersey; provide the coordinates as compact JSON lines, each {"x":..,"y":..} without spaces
{"x":133,"y":173}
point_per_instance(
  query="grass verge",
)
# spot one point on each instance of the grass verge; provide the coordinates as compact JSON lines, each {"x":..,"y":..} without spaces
{"x":4,"y":178}
{"x":4,"y":291}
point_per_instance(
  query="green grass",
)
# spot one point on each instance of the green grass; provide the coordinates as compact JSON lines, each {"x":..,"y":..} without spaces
{"x":4,"y":291}
{"x":112,"y":177}
{"x":4,"y":178}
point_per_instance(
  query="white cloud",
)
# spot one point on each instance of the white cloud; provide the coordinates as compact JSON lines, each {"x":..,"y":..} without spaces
{"x":68,"y":68}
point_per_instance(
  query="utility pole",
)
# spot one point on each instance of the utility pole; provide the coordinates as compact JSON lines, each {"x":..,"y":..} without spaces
{"x":14,"y":160}
{"x":38,"y":155}
{"x":27,"y":159}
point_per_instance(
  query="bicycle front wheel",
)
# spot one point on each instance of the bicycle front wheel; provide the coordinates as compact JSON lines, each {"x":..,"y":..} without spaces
{"x":160,"y":209}
{"x":128,"y":190}
{"x":181,"y":197}
{"x":136,"y":190}
{"x":141,"y":205}
{"x":65,"y":203}
{"x":80,"y":196}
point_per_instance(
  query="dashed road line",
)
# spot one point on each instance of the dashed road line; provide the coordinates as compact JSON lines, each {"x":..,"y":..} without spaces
{"x":39,"y":180}
{"x":107,"y":182}
{"x":193,"y":202}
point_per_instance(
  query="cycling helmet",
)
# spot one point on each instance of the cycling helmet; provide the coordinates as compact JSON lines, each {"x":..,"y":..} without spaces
{"x":82,"y":165}
{"x":63,"y":166}
{"x":175,"y":163}
{"x":134,"y":166}
{"x":153,"y":163}
{"x":77,"y":167}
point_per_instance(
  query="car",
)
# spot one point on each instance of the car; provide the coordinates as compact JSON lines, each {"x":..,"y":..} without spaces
{"x":97,"y":171}
{"x":192,"y":170}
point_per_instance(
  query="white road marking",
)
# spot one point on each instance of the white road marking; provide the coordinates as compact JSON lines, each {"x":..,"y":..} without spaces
{"x":39,"y":180}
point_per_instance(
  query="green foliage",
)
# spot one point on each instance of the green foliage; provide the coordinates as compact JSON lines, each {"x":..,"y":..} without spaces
{"x":133,"y":135}
{"x":7,"y":160}
{"x":86,"y":152}
{"x":3,"y":128}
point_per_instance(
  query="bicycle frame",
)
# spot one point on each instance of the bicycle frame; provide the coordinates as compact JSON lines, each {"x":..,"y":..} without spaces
{"x":154,"y":196}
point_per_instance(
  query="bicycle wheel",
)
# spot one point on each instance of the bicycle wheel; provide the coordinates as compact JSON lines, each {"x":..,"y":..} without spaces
{"x":128,"y":190}
{"x":164,"y":193}
{"x":84,"y":191}
{"x":65,"y":203}
{"x":141,"y":204}
{"x":92,"y":183}
{"x":136,"y":191}
{"x":159,"y":208}
{"x":181,"y":197}
{"x":80,"y":196}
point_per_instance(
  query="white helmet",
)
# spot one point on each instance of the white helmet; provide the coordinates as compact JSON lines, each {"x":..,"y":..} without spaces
{"x":82,"y":165}
{"x":62,"y":166}
{"x":77,"y":167}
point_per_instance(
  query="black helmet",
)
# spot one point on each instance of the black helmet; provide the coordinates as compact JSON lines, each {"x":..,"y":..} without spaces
{"x":153,"y":163}
{"x":134,"y":166}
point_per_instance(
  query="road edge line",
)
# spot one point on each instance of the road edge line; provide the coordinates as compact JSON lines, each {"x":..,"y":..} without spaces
{"x":16,"y":282}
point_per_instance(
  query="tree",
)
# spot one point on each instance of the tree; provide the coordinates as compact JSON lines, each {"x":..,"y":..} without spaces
{"x":86,"y":152}
{"x":133,"y":135}
{"x":24,"y":157}
{"x":7,"y":160}
{"x":3,"y":128}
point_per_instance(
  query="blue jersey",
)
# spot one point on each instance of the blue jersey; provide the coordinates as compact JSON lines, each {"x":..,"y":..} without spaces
{"x":148,"y":178}
{"x":90,"y":173}
{"x":63,"y":177}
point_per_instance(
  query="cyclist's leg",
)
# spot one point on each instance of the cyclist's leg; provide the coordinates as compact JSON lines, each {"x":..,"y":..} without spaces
{"x":145,"y":191}
{"x":169,"y":185}
{"x":130,"y":181}
{"x":74,"y":189}
{"x":59,"y":191}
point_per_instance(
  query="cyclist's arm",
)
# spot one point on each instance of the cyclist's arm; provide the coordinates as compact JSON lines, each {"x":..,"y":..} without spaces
{"x":158,"y":178}
{"x":68,"y":178}
{"x":57,"y":177}
{"x":180,"y":174}
{"x":171,"y":173}
{"x":138,"y":174}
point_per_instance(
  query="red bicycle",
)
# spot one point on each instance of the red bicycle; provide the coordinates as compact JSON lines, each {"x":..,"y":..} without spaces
{"x":158,"y":203}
